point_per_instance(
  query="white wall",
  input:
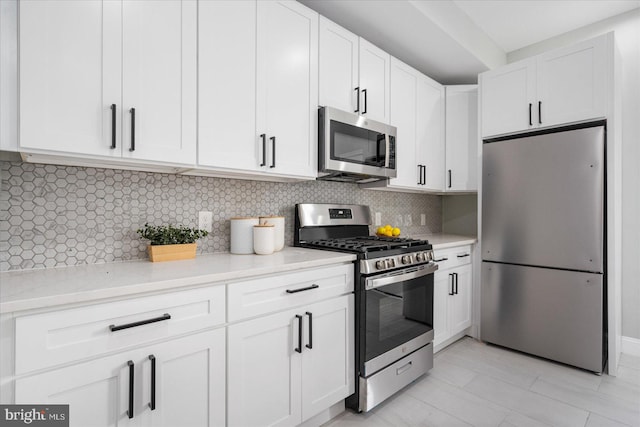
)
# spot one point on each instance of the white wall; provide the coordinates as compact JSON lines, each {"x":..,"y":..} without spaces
{"x":627,"y":35}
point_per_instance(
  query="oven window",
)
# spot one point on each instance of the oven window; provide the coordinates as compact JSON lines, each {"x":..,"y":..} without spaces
{"x":356,"y":145}
{"x":397,"y":313}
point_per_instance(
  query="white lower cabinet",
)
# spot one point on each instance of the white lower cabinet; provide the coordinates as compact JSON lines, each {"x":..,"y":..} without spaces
{"x":286,"y":367}
{"x":186,"y":387}
{"x":452,"y":295}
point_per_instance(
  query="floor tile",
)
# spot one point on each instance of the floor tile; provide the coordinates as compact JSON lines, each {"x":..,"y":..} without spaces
{"x":452,"y":373}
{"x":620,"y":410}
{"x":629,"y":361}
{"x":596,"y":420}
{"x":533,"y":405}
{"x":407,"y":411}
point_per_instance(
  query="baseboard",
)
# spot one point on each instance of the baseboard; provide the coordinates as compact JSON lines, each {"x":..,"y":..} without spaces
{"x":630,"y":346}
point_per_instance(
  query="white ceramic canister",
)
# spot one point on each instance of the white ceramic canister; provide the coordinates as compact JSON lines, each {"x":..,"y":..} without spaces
{"x":242,"y":234}
{"x":278,"y":223}
{"x":263,"y":239}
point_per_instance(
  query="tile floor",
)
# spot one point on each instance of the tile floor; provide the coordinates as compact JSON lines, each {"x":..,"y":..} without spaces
{"x":475,"y":384}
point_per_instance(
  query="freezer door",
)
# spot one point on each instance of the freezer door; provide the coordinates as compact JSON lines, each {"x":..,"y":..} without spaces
{"x":543,"y":200}
{"x":556,"y":314}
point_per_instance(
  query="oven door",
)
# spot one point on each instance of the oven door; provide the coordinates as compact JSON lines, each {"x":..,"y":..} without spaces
{"x":398,"y":316}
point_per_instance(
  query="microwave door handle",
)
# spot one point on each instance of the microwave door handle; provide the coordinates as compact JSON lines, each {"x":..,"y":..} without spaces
{"x":386,"y":150}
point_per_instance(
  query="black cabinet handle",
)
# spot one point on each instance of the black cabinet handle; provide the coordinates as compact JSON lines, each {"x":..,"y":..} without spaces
{"x":463,"y":256}
{"x":273,"y":153}
{"x":298,"y":349}
{"x":530,"y":121}
{"x":152,"y":405}
{"x":424,"y":175}
{"x":419,"y":174}
{"x":308,"y":288}
{"x":264,"y":149}
{"x":113,"y":126}
{"x":451,"y":283}
{"x":114,"y":328}
{"x":540,"y":112}
{"x":310,"y":345}
{"x":357,"y":99}
{"x":455,"y":277}
{"x":364,"y":92}
{"x":133,"y":129}
{"x":449,"y":178}
{"x":440,"y":260}
{"x":131,"y":383}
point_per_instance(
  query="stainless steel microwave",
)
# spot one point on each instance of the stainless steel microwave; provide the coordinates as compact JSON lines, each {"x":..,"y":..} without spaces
{"x":353,"y":148}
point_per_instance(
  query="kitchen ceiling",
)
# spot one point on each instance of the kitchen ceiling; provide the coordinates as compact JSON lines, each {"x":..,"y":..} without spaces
{"x":453,"y":41}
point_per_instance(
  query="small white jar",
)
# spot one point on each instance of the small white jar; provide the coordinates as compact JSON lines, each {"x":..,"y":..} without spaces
{"x":263,"y":239}
{"x":242,"y":235}
{"x":278,"y":223}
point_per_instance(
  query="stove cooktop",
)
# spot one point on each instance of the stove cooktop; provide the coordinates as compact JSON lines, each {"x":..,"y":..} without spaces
{"x":367,"y":244}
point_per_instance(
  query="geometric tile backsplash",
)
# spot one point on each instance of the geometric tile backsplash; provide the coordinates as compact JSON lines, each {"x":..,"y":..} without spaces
{"x":54,"y":216}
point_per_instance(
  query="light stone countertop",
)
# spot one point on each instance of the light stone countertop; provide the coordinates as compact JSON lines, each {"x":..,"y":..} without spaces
{"x":443,"y":240}
{"x":33,"y":289}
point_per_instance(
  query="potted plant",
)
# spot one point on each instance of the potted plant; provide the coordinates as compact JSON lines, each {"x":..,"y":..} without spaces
{"x":169,"y":243}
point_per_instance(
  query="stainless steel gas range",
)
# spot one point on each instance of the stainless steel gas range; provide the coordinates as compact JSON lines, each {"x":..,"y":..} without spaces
{"x":393,"y":297}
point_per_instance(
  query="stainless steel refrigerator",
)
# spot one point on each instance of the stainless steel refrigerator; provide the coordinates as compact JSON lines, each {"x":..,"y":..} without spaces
{"x":543,"y":287}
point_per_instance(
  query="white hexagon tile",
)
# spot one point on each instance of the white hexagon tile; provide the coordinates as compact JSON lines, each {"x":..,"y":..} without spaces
{"x":56,"y":215}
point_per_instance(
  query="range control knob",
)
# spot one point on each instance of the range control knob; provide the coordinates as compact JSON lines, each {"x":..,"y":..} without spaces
{"x":406,"y":259}
{"x":380,"y":265}
{"x":421,"y":257}
{"x":392,"y":263}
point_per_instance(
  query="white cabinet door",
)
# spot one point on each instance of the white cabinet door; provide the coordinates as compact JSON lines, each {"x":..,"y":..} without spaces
{"x":430,"y":136}
{"x":338,"y":62}
{"x":403,"y":116}
{"x":287,"y":86}
{"x":263,"y":371}
{"x":374,"y":82}
{"x":190,"y":381}
{"x":189,"y":385}
{"x":227,"y":85}
{"x":328,"y":355}
{"x":508,"y":97}
{"x":571,"y":83}
{"x":159,"y":80}
{"x":97,"y":392}
{"x":70,"y":75}
{"x":460,"y":302}
{"x":442,"y":288}
{"x":461,"y":137}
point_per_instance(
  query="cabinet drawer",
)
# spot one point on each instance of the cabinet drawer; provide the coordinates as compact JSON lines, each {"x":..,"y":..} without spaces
{"x":260,"y":296}
{"x":452,"y":257}
{"x":49,"y":339}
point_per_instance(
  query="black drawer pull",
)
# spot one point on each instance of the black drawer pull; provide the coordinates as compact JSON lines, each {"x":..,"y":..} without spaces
{"x":152,"y":405}
{"x":463,"y":256}
{"x":451,"y":291}
{"x":440,"y":260}
{"x":133,"y":129}
{"x":455,"y":276}
{"x":114,"y":328}
{"x":308,"y":288}
{"x":264,"y":149}
{"x":298,"y":349}
{"x":131,"y":379}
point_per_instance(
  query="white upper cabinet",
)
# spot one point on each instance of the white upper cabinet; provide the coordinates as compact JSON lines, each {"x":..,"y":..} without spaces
{"x":227,"y":85}
{"x":374,"y":82}
{"x":559,"y":87}
{"x":287,"y":86}
{"x":354,"y":74}
{"x":430,"y":135}
{"x":338,"y":64}
{"x":86,"y":68}
{"x":508,"y":95}
{"x":461,"y":112}
{"x":572,"y":83}
{"x":258,"y":94}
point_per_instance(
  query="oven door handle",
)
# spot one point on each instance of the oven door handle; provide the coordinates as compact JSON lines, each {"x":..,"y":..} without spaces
{"x":372,"y":283}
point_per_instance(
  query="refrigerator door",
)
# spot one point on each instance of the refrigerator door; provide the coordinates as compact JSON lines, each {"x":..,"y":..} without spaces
{"x":543,"y":199}
{"x":555,"y":314}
